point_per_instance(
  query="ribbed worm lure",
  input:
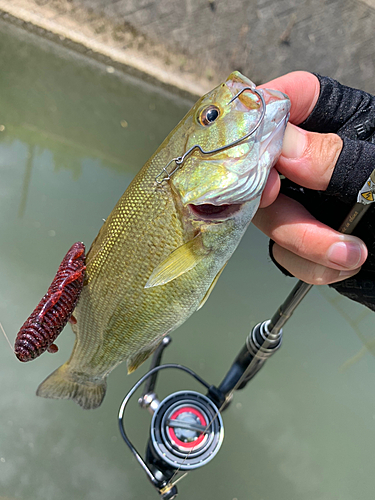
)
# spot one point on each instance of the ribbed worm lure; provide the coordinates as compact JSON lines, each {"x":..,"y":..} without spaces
{"x":52,"y":313}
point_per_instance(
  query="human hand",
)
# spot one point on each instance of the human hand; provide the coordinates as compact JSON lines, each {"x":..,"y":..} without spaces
{"x":307,"y":248}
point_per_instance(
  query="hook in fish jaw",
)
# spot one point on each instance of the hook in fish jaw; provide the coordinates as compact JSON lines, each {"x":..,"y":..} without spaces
{"x":165,"y":176}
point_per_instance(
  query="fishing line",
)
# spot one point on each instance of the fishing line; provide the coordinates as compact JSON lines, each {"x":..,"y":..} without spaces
{"x":6,"y":336}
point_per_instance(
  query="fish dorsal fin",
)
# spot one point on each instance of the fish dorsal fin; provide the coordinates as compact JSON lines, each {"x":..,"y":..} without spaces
{"x":180,"y":261}
{"x":212,"y":286}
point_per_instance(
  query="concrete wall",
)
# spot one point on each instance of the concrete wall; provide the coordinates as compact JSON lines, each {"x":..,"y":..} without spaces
{"x":192,"y":45}
{"x":262,"y":38}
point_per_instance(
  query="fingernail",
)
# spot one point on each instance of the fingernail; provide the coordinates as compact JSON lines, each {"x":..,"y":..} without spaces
{"x":294,"y":142}
{"x":345,"y":253}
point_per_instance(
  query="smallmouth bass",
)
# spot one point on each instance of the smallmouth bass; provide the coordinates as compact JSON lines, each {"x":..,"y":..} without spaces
{"x":163,"y":247}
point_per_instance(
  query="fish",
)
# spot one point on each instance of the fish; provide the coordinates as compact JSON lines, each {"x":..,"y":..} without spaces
{"x":162,"y":249}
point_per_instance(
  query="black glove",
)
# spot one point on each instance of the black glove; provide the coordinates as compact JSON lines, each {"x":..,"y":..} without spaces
{"x":350,"y":113}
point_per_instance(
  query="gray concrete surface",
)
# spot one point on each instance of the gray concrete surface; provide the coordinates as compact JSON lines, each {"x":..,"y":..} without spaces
{"x":262,"y":38}
{"x":193,"y":44}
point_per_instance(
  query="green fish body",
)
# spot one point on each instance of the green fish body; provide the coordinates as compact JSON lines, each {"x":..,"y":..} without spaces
{"x":164,"y":245}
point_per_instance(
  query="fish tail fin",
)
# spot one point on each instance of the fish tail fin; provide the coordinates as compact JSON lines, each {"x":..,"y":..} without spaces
{"x":63,"y":383}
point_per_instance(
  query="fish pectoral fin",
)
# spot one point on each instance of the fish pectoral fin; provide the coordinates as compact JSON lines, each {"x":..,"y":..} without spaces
{"x":135,"y":361}
{"x":212,"y":286}
{"x":180,"y":261}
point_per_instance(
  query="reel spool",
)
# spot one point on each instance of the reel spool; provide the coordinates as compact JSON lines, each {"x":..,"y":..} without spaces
{"x":186,"y":431}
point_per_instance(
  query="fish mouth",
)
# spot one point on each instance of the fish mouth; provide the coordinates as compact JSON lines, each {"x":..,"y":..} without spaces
{"x":208,"y":212}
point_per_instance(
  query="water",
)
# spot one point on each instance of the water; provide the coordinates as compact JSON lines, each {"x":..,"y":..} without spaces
{"x":73,"y":134}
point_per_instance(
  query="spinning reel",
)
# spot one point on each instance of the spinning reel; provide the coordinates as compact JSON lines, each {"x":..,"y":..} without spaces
{"x":187,"y":428}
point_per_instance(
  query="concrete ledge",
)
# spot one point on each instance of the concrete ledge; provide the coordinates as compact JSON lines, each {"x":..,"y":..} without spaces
{"x":65,"y":30}
{"x":191,"y":45}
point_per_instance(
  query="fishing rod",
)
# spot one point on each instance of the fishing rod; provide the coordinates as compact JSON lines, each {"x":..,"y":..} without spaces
{"x":187,"y":428}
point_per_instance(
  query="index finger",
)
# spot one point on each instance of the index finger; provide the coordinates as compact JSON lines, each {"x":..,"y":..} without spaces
{"x":303,"y":90}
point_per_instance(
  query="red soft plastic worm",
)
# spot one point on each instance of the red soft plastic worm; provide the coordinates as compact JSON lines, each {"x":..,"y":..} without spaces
{"x":52,"y":313}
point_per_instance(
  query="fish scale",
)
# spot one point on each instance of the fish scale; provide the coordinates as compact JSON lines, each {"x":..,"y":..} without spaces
{"x":160,"y":251}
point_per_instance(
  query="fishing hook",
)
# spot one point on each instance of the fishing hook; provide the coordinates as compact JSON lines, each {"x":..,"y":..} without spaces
{"x":179,"y":160}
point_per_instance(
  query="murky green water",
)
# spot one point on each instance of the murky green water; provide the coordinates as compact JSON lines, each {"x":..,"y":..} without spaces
{"x":73,"y":134}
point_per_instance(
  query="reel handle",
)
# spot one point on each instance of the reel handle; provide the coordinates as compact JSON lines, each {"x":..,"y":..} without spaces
{"x":156,"y":361}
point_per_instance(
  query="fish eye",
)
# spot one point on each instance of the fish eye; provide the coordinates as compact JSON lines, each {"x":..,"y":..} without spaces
{"x":208,"y":115}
